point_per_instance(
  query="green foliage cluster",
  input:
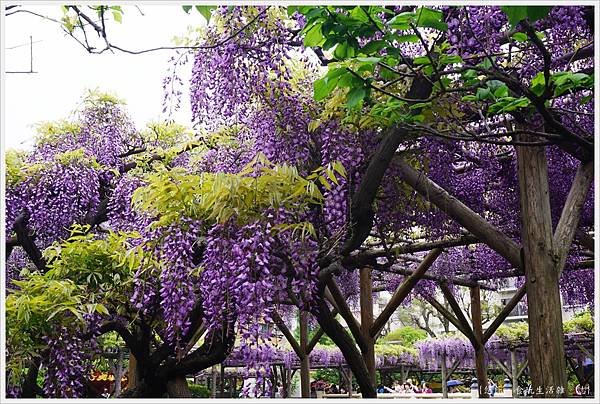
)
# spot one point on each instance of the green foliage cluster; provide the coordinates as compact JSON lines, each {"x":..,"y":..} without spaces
{"x":18,"y":170}
{"x":219,"y":197}
{"x":86,"y":274}
{"x":517,"y":14}
{"x":70,"y":19}
{"x":519,"y":331}
{"x":53,"y":132}
{"x":199,"y":390}
{"x":405,"y":336}
{"x":582,"y":322}
{"x":165,"y":134}
{"x":394,"y":350}
{"x":514,"y":332}
{"x":14,"y":164}
{"x":372,"y":74}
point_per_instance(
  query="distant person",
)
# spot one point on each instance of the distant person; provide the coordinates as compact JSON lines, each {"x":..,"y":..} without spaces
{"x":492,"y":387}
{"x":425,"y":388}
{"x":410,"y":387}
{"x":380,"y":388}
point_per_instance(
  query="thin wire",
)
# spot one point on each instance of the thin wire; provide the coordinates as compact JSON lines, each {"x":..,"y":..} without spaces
{"x":24,"y":44}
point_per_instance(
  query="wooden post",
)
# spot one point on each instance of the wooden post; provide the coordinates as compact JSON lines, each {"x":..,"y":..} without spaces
{"x":274,"y":382}
{"x":480,"y":368}
{"x":132,"y":373}
{"x":349,"y":383}
{"x":118,"y":372}
{"x":366,"y":320}
{"x":444,"y":376}
{"x":222,"y":380}
{"x":304,"y":363}
{"x":514,"y":371}
{"x":213,"y":384}
{"x":546,"y":339}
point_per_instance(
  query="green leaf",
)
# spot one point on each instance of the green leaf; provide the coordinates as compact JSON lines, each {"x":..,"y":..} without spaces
{"x":422,"y":60}
{"x":535,"y":13}
{"x":343,"y":50}
{"x":314,"y":36}
{"x":355,"y":96}
{"x":402,"y":21}
{"x":420,"y":105}
{"x":407,"y":38}
{"x":373,"y":47}
{"x":206,"y":12}
{"x":450,"y":59}
{"x":370,"y":60}
{"x":117,"y":16}
{"x":323,"y":87}
{"x":100,"y":308}
{"x":538,"y":84}
{"x":186,"y":9}
{"x":508,"y":104}
{"x":516,"y":14}
{"x":359,"y":14}
{"x":501,"y":92}
{"x":291,"y":10}
{"x":427,"y":17}
{"x":483,"y":93}
{"x":520,"y":37}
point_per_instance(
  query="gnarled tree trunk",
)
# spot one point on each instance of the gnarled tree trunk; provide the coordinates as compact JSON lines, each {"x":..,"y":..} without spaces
{"x":546,"y":339}
{"x":178,"y":388}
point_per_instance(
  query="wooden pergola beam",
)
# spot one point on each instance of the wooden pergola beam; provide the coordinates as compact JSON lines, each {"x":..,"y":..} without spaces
{"x":451,"y":280}
{"x":317,"y":336}
{"x":571,"y":213}
{"x":460,"y":316}
{"x":480,"y":368}
{"x":585,"y":239}
{"x":368,"y":256}
{"x":403,"y":290}
{"x":288,"y":335}
{"x":500,"y":364}
{"x":504,"y":313}
{"x":461,"y":213}
{"x":445,"y":313}
{"x":346,"y":314}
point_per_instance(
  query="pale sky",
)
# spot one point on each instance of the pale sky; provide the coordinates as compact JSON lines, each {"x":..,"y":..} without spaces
{"x":66,"y":70}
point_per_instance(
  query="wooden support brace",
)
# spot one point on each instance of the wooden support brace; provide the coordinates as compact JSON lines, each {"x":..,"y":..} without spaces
{"x":504,"y":313}
{"x":317,"y":336}
{"x":569,"y":218}
{"x":446,"y":314}
{"x":460,"y":316}
{"x":501,"y":365}
{"x":346,"y":314}
{"x":461,"y":213}
{"x":402,"y":291}
{"x":522,"y":368}
{"x":288,"y":335}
